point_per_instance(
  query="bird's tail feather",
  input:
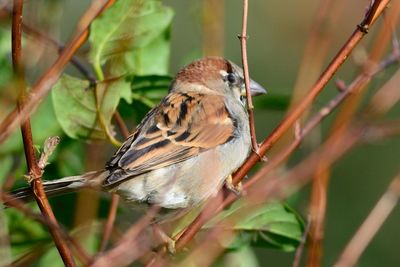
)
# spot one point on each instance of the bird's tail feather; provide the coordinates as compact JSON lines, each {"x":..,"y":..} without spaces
{"x":62,"y":186}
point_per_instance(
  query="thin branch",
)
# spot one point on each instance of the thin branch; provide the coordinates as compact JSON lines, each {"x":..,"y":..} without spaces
{"x":48,"y":79}
{"x":300,"y":248}
{"x":196,"y":225}
{"x":109,"y":225}
{"x":371,"y":225}
{"x":121,"y":125}
{"x":34,"y":170}
{"x":250,"y":108}
{"x":108,"y":228}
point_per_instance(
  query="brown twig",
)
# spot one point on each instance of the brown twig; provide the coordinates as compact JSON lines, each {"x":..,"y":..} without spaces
{"x":357,"y":35}
{"x":115,"y":198}
{"x":121,"y":125}
{"x":35,"y":173}
{"x":43,"y":86}
{"x":250,"y":108}
{"x":300,"y":248}
{"x":371,"y":225}
{"x":108,"y":226}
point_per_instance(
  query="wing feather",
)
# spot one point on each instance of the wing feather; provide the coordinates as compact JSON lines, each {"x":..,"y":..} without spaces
{"x":181,"y":127}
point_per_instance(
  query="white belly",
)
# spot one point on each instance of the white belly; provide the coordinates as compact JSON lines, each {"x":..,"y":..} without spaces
{"x":188,"y":183}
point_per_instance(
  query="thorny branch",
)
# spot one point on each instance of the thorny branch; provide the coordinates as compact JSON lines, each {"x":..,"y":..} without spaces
{"x":35,"y":172}
{"x":250,"y":108}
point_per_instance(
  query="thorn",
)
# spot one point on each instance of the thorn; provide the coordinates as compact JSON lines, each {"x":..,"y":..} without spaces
{"x":243,"y":36}
{"x":364,"y":28}
{"x":264,"y":158}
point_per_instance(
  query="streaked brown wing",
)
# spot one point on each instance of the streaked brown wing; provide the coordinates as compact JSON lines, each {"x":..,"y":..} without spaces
{"x":184,"y":125}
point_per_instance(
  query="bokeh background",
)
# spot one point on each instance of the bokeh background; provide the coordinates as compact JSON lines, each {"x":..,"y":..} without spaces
{"x":278,"y":31}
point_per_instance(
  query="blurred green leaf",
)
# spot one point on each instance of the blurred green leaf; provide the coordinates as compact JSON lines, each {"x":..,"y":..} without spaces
{"x":243,"y":257}
{"x":5,"y":57}
{"x":44,"y":124}
{"x":151,"y":59}
{"x":272,"y":102}
{"x":147,"y":91}
{"x":5,"y":167}
{"x":71,"y":158}
{"x":127,"y":25}
{"x":153,"y":87}
{"x":75,"y":105}
{"x":271,"y":225}
{"x":25,"y":234}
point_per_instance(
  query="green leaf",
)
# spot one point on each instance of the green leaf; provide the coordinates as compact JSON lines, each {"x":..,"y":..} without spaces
{"x":127,"y":25}
{"x":151,"y":59}
{"x":271,"y":225}
{"x":5,"y":167}
{"x":5,"y":61}
{"x":75,"y":105}
{"x":147,"y":91}
{"x":43,"y":118}
{"x":153,"y":87}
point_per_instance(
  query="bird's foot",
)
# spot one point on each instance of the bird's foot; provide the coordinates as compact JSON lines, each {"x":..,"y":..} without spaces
{"x":237,"y":189}
{"x":165,"y":239}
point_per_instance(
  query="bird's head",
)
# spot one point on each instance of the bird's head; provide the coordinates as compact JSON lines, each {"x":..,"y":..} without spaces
{"x":214,"y":75}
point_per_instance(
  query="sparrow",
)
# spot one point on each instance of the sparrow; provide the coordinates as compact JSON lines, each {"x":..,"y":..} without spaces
{"x":184,"y":149}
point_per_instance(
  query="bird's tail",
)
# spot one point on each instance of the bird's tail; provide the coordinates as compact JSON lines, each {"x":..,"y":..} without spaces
{"x":63,"y":185}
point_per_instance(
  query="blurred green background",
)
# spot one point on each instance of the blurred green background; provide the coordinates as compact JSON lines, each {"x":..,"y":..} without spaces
{"x":278,"y":32}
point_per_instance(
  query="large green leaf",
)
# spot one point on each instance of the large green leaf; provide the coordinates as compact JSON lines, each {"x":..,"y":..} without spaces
{"x":75,"y":105}
{"x":266,"y":225}
{"x":127,"y":25}
{"x":152,"y":59}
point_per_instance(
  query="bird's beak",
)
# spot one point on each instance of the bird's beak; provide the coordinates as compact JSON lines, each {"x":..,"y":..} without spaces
{"x":255,"y":89}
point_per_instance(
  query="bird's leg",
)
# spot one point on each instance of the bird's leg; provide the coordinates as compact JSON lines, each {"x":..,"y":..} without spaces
{"x":164,"y":238}
{"x":237,"y":189}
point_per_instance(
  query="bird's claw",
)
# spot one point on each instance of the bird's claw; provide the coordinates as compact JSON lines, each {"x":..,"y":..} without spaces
{"x":236,"y":189}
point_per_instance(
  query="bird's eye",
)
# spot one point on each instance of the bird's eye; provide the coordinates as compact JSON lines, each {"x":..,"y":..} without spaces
{"x":231,"y":78}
